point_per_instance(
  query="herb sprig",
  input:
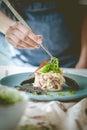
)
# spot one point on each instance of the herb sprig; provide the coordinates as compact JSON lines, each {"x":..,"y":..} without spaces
{"x":53,"y":65}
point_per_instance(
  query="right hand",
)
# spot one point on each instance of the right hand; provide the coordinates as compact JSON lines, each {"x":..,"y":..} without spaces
{"x":21,"y":37}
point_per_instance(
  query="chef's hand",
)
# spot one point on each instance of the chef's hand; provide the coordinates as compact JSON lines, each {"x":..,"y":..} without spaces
{"x":21,"y":37}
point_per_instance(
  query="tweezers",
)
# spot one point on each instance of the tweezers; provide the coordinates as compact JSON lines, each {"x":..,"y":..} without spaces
{"x":18,"y":16}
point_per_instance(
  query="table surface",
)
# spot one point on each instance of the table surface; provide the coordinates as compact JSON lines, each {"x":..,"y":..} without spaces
{"x":73,"y":115}
{"x":7,"y":70}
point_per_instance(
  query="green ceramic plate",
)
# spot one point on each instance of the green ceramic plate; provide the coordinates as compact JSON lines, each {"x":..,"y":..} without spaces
{"x":67,"y":94}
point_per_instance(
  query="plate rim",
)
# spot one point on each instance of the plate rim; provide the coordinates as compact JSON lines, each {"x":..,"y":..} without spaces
{"x":35,"y":98}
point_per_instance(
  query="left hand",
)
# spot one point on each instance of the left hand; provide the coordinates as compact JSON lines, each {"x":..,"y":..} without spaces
{"x":81,"y":64}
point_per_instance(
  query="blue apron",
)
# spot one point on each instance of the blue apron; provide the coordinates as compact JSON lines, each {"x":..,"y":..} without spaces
{"x":46,"y":19}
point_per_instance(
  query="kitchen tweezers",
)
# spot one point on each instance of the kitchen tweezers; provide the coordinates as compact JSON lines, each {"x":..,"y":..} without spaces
{"x":18,"y":16}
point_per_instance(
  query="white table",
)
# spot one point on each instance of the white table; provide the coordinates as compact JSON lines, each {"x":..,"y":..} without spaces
{"x":54,"y":114}
{"x":8,"y":70}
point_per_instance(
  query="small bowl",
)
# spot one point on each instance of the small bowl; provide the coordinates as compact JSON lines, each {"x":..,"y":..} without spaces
{"x":10,"y":114}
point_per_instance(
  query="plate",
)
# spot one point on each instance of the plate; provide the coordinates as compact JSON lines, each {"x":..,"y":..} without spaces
{"x":67,"y":94}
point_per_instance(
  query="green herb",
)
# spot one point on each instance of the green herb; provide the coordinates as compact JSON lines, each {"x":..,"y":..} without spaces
{"x":48,"y":94}
{"x":39,"y":126}
{"x":60,"y":94}
{"x":52,"y":66}
{"x":46,"y":68}
{"x":70,"y":92}
{"x":35,"y":94}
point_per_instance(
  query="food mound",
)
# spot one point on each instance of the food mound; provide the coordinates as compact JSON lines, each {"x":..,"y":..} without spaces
{"x":50,"y":77}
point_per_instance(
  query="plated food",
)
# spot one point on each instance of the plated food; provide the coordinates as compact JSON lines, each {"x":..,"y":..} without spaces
{"x":74,"y":88}
{"x":50,"y":76}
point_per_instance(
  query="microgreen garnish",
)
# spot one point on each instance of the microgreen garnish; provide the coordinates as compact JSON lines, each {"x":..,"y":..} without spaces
{"x":53,"y":65}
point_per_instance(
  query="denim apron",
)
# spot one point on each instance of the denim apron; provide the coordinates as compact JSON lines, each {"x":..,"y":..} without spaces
{"x":45,"y":18}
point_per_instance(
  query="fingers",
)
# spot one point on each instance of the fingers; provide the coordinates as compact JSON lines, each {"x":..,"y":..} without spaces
{"x":18,"y":42}
{"x":14,"y":44}
{"x":21,"y":37}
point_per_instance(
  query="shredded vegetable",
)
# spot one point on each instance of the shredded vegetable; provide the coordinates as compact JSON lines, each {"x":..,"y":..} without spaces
{"x":53,"y":65}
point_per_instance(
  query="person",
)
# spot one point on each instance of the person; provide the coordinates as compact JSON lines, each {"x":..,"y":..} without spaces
{"x":60,"y":25}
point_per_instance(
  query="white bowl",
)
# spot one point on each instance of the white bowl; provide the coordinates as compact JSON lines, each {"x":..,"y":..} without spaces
{"x":10,"y":115}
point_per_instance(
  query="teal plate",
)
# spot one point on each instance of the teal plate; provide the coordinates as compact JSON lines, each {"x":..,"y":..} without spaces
{"x":67,"y":94}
